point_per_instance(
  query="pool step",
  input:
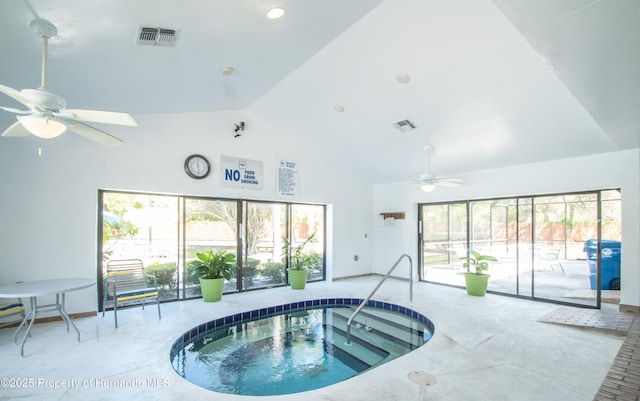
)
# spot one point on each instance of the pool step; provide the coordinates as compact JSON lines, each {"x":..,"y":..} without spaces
{"x":376,"y":336}
{"x":388,"y":331}
{"x":360,"y":355}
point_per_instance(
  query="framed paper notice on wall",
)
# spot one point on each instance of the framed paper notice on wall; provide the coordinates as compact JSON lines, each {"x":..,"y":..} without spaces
{"x":241,"y":173}
{"x":288,"y":179}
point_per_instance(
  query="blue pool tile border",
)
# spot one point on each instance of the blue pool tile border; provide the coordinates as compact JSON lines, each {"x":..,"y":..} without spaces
{"x":199,"y":331}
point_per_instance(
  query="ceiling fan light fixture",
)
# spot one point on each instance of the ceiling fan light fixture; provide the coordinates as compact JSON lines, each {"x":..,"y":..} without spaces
{"x":427,"y":187}
{"x":42,"y":126}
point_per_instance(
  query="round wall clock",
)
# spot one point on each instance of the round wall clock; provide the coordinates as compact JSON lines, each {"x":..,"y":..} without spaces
{"x":197,"y":166}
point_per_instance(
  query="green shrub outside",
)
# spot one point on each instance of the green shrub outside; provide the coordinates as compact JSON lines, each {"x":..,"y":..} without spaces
{"x":316,"y":261}
{"x":189,"y":279}
{"x":250,"y":267}
{"x":164,"y":274}
{"x":274,"y":271}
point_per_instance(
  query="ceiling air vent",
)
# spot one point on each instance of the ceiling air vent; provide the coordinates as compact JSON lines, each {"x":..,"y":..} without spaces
{"x":156,"y":36}
{"x":404,"y":125}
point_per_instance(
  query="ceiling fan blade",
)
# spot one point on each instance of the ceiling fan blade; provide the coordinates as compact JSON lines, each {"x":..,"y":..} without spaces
{"x":100,"y":116}
{"x":94,"y":134}
{"x":449,"y":182}
{"x":16,"y":129}
{"x":20,"y":97}
{"x":16,"y":111}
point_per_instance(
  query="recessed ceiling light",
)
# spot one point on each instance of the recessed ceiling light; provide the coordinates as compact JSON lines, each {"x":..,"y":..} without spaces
{"x":226,"y":71}
{"x":402,"y":78}
{"x":338,"y":108}
{"x":275,"y":13}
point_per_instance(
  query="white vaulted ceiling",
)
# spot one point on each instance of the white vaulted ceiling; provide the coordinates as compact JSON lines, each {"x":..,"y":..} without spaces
{"x":491,"y":83}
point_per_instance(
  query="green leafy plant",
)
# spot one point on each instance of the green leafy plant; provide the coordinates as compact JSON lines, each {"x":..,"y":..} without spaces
{"x":213,"y":264}
{"x":478,"y":261}
{"x":164,"y":274}
{"x":274,"y":271}
{"x":298,"y":259}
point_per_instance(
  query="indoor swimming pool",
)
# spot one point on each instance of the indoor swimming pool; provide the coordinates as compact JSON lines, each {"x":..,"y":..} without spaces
{"x":296,"y":347}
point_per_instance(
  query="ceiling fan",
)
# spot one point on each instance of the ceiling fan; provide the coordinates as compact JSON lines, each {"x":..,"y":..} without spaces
{"x":429,"y":181}
{"x":46,"y":115}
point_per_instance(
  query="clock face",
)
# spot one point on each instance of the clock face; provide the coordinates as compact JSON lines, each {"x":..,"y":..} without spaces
{"x":197,"y":166}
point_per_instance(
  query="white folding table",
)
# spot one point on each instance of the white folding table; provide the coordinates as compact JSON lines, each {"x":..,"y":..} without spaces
{"x":39,"y":288}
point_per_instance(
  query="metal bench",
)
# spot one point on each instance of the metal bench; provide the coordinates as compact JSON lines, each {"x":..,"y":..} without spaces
{"x":126,"y":283}
{"x":14,"y":308}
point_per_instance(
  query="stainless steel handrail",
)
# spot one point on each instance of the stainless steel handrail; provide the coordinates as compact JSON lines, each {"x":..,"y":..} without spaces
{"x":366,"y":300}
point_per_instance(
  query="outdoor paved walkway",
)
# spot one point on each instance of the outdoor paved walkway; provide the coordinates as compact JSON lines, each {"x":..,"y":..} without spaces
{"x":605,"y":319}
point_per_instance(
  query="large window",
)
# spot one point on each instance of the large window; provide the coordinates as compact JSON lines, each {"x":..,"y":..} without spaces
{"x":166,"y":232}
{"x":563,"y":248}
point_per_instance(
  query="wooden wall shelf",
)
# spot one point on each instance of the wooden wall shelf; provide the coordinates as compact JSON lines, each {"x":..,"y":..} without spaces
{"x":395,"y":215}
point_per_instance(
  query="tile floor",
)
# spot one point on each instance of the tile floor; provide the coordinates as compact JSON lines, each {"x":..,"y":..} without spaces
{"x":489,"y":348}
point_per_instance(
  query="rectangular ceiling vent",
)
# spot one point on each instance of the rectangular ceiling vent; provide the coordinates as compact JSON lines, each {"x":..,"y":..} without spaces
{"x":164,"y":37}
{"x":404,"y":125}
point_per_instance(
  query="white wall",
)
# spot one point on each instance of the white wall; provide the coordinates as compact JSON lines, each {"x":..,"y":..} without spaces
{"x":48,"y":203}
{"x":604,"y":171}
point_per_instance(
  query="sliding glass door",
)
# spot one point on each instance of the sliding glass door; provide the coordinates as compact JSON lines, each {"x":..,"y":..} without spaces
{"x":145,"y":227}
{"x":444,"y":242}
{"x":523,"y":247}
{"x":265,"y":226}
{"x":166,"y":232}
{"x":562,"y":248}
{"x":306,"y":221}
{"x":208,"y":224}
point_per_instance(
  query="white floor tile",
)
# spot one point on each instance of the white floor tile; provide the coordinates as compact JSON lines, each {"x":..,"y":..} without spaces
{"x":489,"y":348}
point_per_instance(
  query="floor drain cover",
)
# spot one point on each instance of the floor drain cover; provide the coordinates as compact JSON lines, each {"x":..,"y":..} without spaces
{"x":422,"y":378}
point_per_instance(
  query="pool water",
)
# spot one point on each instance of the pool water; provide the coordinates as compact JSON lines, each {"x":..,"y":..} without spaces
{"x":294,"y":349}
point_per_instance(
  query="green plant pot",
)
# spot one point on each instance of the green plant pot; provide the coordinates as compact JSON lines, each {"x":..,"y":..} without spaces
{"x":476,"y":284}
{"x":212,"y":289}
{"x":297,"y":279}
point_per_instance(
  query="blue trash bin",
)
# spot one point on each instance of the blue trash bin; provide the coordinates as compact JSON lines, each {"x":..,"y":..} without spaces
{"x":610,"y":263}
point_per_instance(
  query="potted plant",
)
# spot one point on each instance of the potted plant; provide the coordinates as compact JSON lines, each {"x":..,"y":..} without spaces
{"x":212,"y":268}
{"x":299,"y":262}
{"x":477,"y":281}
